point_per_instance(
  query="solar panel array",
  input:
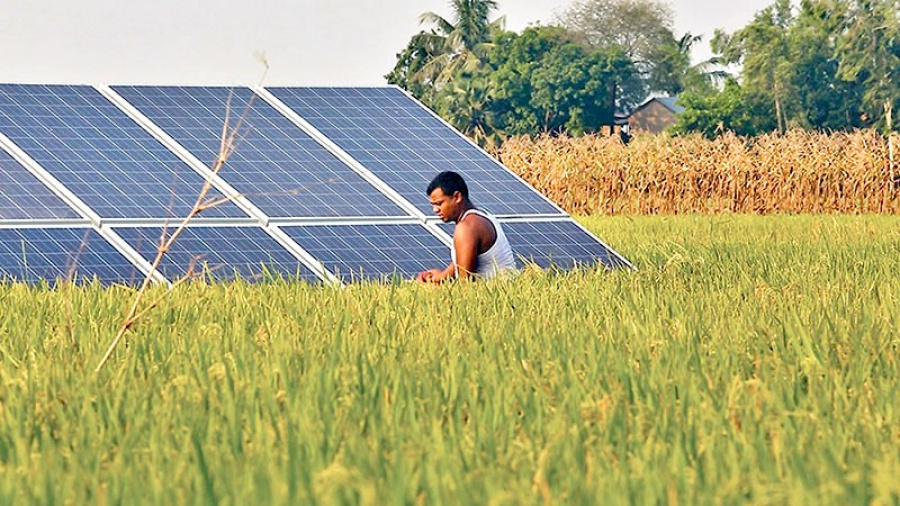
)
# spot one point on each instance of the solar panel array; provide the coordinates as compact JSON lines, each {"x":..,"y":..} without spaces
{"x":324,"y":183}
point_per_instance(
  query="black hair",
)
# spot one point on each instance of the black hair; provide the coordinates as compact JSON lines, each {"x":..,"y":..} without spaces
{"x":449,"y":182}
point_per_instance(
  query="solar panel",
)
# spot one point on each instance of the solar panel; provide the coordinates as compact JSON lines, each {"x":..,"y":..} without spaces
{"x":23,"y":196}
{"x":372,"y":251}
{"x":276,"y":165}
{"x":560,"y":243}
{"x":219,"y":253}
{"x":117,"y":168}
{"x":78,"y":254}
{"x":99,"y":153}
{"x":563,"y":244}
{"x":406,"y":146}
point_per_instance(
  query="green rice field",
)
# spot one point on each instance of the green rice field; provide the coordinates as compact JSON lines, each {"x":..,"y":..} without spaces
{"x":749,"y":360}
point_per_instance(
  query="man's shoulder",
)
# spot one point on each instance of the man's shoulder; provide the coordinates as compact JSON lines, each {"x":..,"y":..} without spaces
{"x":465,"y":228}
{"x":475,"y":223}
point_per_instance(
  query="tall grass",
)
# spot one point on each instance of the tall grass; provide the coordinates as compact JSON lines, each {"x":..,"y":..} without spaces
{"x":750,"y":359}
{"x":798,"y":172}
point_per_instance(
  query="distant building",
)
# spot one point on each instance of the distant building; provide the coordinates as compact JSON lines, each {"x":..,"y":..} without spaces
{"x":619,"y":126}
{"x":654,"y":115}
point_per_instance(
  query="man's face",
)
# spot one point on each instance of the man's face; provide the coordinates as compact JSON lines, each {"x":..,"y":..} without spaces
{"x":445,"y":206}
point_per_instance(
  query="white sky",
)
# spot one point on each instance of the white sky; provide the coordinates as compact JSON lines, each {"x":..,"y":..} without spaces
{"x":306,"y":42}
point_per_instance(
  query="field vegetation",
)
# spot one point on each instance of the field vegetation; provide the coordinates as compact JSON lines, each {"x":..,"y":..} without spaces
{"x":799,"y":172}
{"x":750,"y":359}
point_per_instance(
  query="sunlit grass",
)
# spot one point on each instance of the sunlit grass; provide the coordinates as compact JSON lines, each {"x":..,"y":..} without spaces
{"x":749,"y":359}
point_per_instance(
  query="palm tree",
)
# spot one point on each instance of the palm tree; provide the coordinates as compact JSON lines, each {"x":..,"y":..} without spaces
{"x":705,"y":74}
{"x":457,"y":45}
{"x":463,"y":105}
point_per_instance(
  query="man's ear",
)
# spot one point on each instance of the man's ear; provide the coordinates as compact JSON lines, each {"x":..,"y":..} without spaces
{"x":457,"y":196}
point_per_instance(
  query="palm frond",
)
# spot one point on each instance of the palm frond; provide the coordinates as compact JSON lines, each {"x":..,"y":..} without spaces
{"x":441,"y":24}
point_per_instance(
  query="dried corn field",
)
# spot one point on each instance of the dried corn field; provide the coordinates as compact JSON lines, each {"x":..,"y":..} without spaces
{"x":799,"y":172}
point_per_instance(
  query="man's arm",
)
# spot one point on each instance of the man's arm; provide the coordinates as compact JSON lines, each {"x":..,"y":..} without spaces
{"x":465,"y":242}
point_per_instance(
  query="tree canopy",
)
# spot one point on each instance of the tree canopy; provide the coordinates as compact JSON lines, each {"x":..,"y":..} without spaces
{"x":819,"y":64}
{"x":823,"y":65}
{"x":640,"y":29}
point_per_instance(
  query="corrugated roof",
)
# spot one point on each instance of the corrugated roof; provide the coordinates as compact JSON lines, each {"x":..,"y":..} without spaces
{"x":669,"y":103}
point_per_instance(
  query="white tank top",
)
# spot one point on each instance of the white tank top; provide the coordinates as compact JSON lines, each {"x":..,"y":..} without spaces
{"x":498,"y":259}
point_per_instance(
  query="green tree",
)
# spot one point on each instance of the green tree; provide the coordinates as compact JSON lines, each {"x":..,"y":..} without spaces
{"x":460,"y":44}
{"x":869,"y":52}
{"x":410,"y":62}
{"x":450,"y":48}
{"x":673,"y":72}
{"x":467,"y":105}
{"x":762,"y":48}
{"x":545,"y":82}
{"x":822,"y":99}
{"x":539,"y":81}
{"x":831,"y":65}
{"x":733,"y":109}
{"x":640,"y":29}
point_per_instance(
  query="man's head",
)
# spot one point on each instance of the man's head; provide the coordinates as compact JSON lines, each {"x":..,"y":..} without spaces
{"x":449,"y":196}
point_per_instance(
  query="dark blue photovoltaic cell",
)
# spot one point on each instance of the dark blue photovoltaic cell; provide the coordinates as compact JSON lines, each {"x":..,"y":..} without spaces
{"x":99,"y":154}
{"x":372,"y":251}
{"x":406,"y":146}
{"x":276,"y":165}
{"x":78,"y":254}
{"x":23,"y":196}
{"x":560,"y":243}
{"x":221,"y":253}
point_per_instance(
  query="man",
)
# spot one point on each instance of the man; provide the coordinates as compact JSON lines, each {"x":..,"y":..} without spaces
{"x":479,"y":244}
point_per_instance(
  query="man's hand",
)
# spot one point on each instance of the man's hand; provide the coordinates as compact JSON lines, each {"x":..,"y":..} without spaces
{"x":432,"y":276}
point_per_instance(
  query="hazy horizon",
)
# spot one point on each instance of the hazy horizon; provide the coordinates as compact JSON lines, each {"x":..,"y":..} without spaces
{"x":169,"y":42}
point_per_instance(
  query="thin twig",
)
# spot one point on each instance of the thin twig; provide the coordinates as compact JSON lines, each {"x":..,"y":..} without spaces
{"x":227,"y":145}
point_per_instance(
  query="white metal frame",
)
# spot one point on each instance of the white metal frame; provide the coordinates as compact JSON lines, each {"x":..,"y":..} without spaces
{"x":443,"y":237}
{"x":338,"y":220}
{"x":288,"y":222}
{"x":174,"y":221}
